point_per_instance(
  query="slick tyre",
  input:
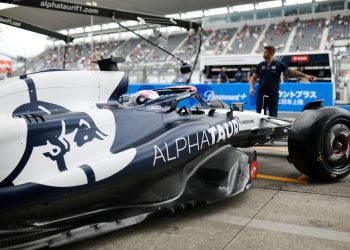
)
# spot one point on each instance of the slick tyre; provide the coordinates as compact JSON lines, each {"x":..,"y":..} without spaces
{"x":319,"y":143}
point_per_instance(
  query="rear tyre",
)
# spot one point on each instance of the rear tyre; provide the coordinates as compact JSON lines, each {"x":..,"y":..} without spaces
{"x":319,"y":143}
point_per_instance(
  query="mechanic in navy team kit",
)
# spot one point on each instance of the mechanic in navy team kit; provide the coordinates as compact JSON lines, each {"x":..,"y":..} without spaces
{"x":269,"y":73}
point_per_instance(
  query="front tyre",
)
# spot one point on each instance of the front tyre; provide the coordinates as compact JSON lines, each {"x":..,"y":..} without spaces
{"x":319,"y":143}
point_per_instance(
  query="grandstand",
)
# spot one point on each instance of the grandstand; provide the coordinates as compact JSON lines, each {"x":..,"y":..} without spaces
{"x":339,"y":27}
{"x":245,"y":40}
{"x":140,"y":52}
{"x":308,"y":35}
{"x":187,"y":47}
{"x":277,"y":35}
{"x":173,"y":42}
{"x":129,"y":48}
{"x":219,"y":41}
{"x":290,"y":28}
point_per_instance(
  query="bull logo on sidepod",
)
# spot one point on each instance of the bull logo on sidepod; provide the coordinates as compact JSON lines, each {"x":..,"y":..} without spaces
{"x":65,"y":150}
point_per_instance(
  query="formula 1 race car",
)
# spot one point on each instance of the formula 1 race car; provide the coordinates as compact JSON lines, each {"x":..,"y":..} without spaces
{"x":78,"y":162}
{"x":73,"y":155}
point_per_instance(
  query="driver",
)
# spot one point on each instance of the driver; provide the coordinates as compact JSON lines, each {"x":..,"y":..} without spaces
{"x":142,"y":97}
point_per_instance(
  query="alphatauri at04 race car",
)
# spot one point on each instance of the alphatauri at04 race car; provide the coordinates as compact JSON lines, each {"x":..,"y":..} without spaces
{"x":78,"y":162}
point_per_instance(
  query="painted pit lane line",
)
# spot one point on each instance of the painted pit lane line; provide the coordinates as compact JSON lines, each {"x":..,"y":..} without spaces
{"x":282,"y":149}
{"x":281,"y":227}
{"x":299,"y":180}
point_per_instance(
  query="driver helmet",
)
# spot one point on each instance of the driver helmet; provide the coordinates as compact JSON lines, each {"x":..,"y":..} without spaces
{"x":142,"y":97}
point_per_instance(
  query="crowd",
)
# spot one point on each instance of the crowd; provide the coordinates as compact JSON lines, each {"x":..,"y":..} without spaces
{"x":141,"y":51}
{"x":188,"y":48}
{"x":282,"y":27}
{"x":216,"y":42}
{"x":78,"y":56}
{"x":173,"y":41}
{"x":308,"y":35}
{"x":339,"y":27}
{"x":245,"y":39}
{"x":277,"y":35}
{"x":223,"y":40}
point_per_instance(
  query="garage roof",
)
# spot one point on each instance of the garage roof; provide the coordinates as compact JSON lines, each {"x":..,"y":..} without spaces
{"x":56,"y":20}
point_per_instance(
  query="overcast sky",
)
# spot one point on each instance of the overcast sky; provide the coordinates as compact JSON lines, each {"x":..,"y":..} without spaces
{"x":17,"y":42}
{"x":14,"y":42}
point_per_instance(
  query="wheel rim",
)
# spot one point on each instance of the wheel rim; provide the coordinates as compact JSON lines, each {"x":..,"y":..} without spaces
{"x":337,"y":148}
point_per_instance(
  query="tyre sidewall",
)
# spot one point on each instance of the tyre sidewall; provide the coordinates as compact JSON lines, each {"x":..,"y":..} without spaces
{"x":318,"y":164}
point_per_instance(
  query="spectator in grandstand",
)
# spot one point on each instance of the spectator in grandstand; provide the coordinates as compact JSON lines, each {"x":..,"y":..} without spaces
{"x":239,"y":75}
{"x":222,"y":76}
{"x":269,"y":73}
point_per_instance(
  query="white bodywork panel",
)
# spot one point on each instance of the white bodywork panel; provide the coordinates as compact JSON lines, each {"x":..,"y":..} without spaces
{"x":74,"y":91}
{"x":249,"y":120}
{"x":13,"y":139}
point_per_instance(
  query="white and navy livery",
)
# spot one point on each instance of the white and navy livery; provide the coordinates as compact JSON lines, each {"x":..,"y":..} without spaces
{"x":70,"y":149}
{"x":75,"y":156}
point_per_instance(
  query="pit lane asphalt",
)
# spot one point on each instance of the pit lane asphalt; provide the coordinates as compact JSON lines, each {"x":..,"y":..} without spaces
{"x":273,"y":214}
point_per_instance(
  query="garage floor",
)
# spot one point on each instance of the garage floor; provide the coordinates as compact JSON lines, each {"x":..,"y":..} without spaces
{"x":283,"y":210}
